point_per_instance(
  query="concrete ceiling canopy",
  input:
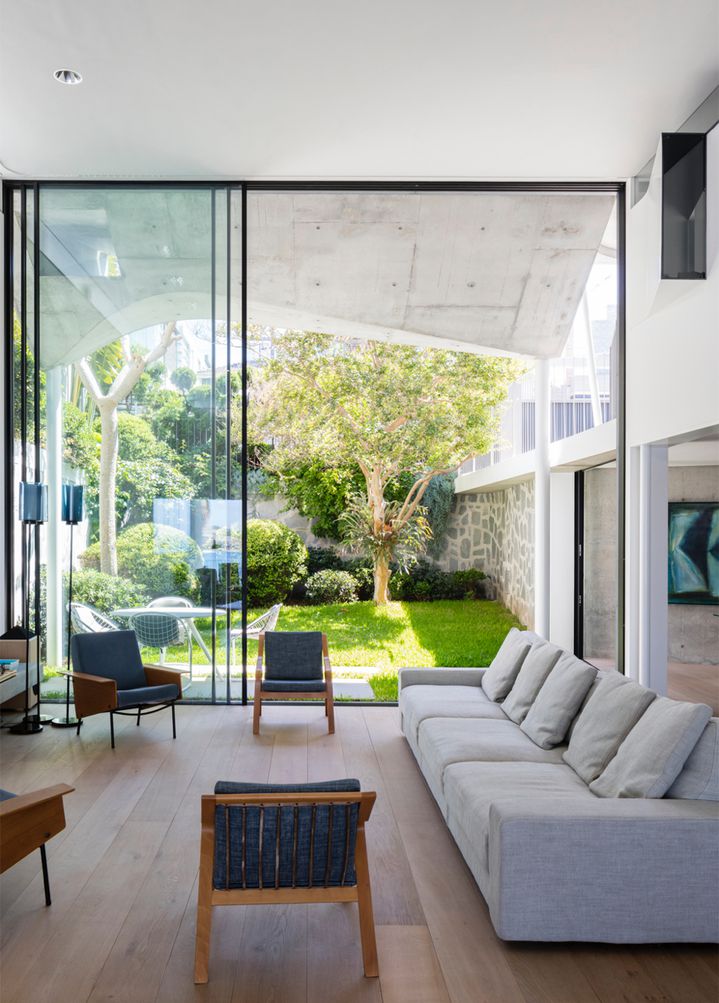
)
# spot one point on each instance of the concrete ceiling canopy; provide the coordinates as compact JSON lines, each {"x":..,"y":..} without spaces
{"x":482,"y":272}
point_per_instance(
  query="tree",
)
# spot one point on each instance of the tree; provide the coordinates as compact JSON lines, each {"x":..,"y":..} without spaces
{"x":184,"y":379}
{"x":107,"y":403}
{"x":391,"y":410}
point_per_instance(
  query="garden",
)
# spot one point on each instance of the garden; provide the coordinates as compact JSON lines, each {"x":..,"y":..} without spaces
{"x":360,"y":441}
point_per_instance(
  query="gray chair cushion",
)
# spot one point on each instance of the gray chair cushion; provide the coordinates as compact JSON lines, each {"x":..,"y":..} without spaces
{"x":6,"y":795}
{"x":417,"y":703}
{"x":294,"y":685}
{"x":113,"y":654}
{"x":499,"y":678}
{"x":612,"y":710}
{"x":147,"y":694}
{"x":539,"y":662}
{"x":247,"y":839}
{"x":652,"y":755}
{"x":558,"y":701}
{"x":699,"y":780}
{"x":293,"y":654}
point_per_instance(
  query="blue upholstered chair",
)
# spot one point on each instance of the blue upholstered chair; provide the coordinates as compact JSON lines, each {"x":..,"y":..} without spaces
{"x":284,"y":843}
{"x":293,"y":665}
{"x":27,"y":821}
{"x":109,"y":677}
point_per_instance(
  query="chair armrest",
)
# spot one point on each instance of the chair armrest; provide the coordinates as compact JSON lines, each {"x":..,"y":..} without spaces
{"x":585,"y":868}
{"x":93,"y":694}
{"x":158,"y":675}
{"x":24,"y":801}
{"x":29,"y":820}
{"x":440,"y":677}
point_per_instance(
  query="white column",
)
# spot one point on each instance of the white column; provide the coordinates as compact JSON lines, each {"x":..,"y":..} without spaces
{"x":652,"y":577}
{"x":632,"y":618}
{"x":54,"y":533}
{"x":591,"y":363}
{"x":561,"y":560}
{"x":541,"y":498}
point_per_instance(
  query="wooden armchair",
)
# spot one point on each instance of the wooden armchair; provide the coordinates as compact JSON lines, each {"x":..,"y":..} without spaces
{"x":293,"y":665}
{"x":109,"y":677}
{"x":287,"y":843}
{"x":27,"y":821}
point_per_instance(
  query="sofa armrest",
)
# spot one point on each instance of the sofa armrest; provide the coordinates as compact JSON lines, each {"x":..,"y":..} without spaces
{"x":604,"y":869}
{"x":93,"y":694}
{"x":158,"y":675}
{"x":440,"y":677}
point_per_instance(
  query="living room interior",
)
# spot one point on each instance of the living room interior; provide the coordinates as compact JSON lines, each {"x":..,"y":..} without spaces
{"x":360,"y":406}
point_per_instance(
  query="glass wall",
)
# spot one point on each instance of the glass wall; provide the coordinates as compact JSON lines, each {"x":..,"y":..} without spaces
{"x":140,"y":366}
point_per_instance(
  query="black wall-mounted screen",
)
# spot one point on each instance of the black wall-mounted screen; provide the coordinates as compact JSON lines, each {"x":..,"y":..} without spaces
{"x":684,"y":210}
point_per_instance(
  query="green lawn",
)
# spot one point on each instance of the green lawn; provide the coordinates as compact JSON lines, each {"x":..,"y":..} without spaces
{"x":381,"y":639}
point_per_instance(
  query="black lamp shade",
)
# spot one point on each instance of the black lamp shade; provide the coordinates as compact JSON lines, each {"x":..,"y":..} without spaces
{"x":33,"y":502}
{"x":72,"y":504}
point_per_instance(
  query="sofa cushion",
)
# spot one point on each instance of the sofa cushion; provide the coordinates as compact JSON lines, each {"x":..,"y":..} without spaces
{"x":652,"y":755}
{"x":418,"y":703}
{"x":548,"y":719}
{"x":499,"y":678}
{"x":471,"y":789}
{"x":443,"y":741}
{"x":539,"y":662}
{"x":699,"y":779}
{"x":613,"y":708}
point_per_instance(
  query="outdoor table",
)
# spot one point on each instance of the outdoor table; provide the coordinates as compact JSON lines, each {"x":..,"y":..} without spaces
{"x":190,"y":613}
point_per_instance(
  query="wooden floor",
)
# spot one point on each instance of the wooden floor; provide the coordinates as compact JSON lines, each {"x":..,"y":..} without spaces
{"x":123,"y":876}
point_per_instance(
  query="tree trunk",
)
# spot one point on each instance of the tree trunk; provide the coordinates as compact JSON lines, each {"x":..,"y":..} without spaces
{"x":108,"y":483}
{"x":381,"y":581}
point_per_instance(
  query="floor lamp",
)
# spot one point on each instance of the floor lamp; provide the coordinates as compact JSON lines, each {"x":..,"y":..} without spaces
{"x":33,"y":512}
{"x":72,"y":516}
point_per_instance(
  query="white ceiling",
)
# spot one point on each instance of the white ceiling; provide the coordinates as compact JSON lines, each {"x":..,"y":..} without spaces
{"x":336,"y":88}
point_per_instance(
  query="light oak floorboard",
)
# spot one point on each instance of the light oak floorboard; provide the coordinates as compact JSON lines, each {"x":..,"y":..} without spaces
{"x":124,"y":879}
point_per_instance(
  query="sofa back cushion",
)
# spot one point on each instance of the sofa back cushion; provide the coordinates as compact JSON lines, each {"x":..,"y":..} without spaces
{"x":613,"y":708}
{"x":558,"y":701}
{"x":539,"y":662}
{"x":652,"y":755}
{"x":699,"y":779}
{"x":499,"y":678}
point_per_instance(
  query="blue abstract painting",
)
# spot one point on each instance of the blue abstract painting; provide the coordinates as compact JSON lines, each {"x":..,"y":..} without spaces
{"x":694,"y":552}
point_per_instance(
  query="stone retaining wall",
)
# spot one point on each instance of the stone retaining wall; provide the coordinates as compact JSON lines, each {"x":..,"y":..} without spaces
{"x":494,"y":531}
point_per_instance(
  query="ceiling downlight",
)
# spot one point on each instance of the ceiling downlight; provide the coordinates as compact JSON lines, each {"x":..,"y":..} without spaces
{"x":70,"y":77}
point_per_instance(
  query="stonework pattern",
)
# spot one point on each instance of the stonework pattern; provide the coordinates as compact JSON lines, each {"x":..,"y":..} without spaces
{"x":494,"y":531}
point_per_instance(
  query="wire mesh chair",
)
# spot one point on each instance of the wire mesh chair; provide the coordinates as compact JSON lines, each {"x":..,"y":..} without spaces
{"x":161,"y":630}
{"x":268,"y":621}
{"x":88,"y":620}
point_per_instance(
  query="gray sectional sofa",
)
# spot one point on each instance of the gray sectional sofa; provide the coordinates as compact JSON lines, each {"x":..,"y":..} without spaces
{"x":586,"y":807}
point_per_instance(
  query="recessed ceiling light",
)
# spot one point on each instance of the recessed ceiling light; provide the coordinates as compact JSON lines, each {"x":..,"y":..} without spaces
{"x":68,"y":76}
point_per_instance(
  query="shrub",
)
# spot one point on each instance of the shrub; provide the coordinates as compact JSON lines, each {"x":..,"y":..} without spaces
{"x":157,"y":558}
{"x":105,"y":592}
{"x":362,"y":571}
{"x":331,"y":587}
{"x":323,"y":559}
{"x":423,"y":581}
{"x":276,"y":561}
{"x":469,"y":583}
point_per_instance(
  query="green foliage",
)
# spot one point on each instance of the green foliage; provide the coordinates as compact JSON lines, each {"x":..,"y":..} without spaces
{"x":81,"y":441}
{"x":184,"y":378}
{"x":276,"y":561}
{"x":437,"y":502}
{"x":385,"y":685}
{"x":322,"y":559}
{"x":105,"y":592}
{"x":423,"y":581}
{"x":331,"y":587}
{"x":159,"y":559}
{"x":394,"y":540}
{"x":470,"y":582}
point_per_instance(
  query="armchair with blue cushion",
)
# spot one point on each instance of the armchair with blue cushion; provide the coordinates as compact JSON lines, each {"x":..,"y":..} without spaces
{"x":293,"y":665}
{"x":284,"y":843}
{"x":109,"y":677}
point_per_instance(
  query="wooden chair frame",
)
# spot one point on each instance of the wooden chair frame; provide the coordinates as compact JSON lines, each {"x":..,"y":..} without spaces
{"x":261,"y":694}
{"x":98,"y":695}
{"x":27,"y":821}
{"x":208,"y":897}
